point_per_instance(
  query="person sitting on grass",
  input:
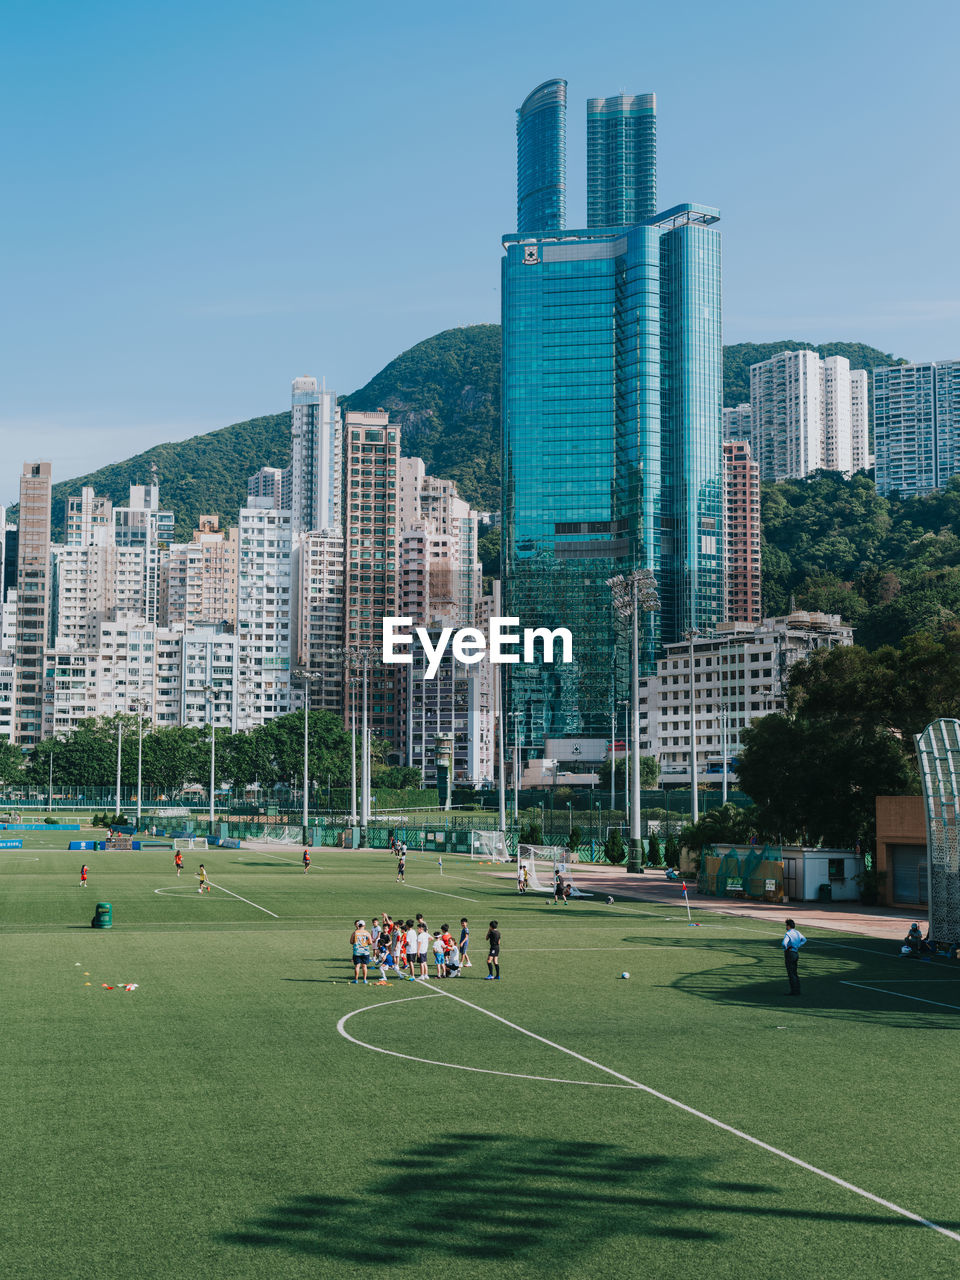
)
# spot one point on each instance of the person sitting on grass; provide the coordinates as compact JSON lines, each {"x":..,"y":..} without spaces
{"x":913,"y":941}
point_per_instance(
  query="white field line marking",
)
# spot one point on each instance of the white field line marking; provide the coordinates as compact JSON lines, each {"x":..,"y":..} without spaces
{"x":246,"y":900}
{"x":21,"y":859}
{"x":899,"y":995}
{"x":232,"y":895}
{"x":457,"y":1066}
{"x":718,"y":1124}
{"x":421,"y":889}
{"x":294,"y":862}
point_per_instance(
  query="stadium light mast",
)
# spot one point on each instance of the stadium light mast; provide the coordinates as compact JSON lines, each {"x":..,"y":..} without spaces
{"x":140,"y":706}
{"x":691,"y":635}
{"x":635,"y":593}
{"x":306,"y":678}
{"x":208,"y":690}
{"x":116,"y":812}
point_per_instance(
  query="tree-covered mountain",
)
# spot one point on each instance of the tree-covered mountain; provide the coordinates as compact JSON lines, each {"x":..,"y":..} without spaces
{"x":738,"y":358}
{"x":888,"y":566}
{"x":205,"y":475}
{"x":445,"y":392}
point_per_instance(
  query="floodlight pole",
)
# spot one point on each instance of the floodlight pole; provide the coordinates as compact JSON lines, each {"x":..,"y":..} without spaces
{"x":208,"y":690}
{"x":632,"y":593}
{"x":50,"y":789}
{"x":116,"y":813}
{"x":694,"y":794}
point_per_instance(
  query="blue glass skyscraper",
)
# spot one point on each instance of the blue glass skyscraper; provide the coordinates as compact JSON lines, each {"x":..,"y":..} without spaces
{"x":621,"y":159}
{"x":612,"y":434}
{"x":542,"y":159}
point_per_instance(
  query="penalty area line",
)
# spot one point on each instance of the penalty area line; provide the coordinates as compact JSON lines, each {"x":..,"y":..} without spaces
{"x":246,"y":900}
{"x":712,"y":1120}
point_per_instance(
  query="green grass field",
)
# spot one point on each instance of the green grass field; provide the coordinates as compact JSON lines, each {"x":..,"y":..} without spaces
{"x":215,"y":1122}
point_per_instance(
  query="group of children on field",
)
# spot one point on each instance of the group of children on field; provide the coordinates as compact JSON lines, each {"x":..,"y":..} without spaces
{"x":403,"y":949}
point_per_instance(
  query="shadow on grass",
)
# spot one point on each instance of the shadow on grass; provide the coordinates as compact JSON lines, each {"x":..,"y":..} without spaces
{"x":752,"y":974}
{"x":504,"y":1199}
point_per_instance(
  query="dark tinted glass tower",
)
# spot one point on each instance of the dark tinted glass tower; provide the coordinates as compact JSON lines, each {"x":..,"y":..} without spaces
{"x":612,"y":429}
{"x":621,"y":159}
{"x":542,"y":159}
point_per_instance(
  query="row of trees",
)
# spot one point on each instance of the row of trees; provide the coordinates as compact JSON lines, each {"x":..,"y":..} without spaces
{"x":848,"y":736}
{"x":888,"y":566}
{"x":175,"y":757}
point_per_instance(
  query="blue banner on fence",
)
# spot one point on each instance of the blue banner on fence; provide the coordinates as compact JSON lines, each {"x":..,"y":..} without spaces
{"x":36,"y":826}
{"x":11,"y":844}
{"x":84,"y":844}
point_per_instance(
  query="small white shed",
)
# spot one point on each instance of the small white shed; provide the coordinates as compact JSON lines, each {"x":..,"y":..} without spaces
{"x":821,"y":875}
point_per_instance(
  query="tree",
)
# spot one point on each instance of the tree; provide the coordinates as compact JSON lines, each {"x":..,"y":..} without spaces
{"x":654,"y":855}
{"x":724,"y":826}
{"x":11,"y":762}
{"x":575,"y":839}
{"x":614,"y":849}
{"x":649,"y":772}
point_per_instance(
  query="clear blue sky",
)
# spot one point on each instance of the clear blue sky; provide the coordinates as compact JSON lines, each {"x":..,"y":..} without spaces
{"x":203,"y":200}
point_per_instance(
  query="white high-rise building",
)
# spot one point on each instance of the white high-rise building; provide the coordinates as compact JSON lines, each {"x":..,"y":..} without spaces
{"x":320,"y":622}
{"x":787,"y":415}
{"x":315,"y":463}
{"x":92,"y":584}
{"x":736,"y":423}
{"x":740,"y":674}
{"x":860,"y":456}
{"x":916,"y":426}
{"x":266,"y":622}
{"x":88,"y":519}
{"x":837,"y":415}
{"x":141,"y":523}
{"x":271,"y":482}
{"x":806,"y":414}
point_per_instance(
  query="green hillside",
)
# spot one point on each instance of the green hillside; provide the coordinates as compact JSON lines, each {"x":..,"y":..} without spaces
{"x":445,"y":392}
{"x":203,"y":475}
{"x":888,"y":566}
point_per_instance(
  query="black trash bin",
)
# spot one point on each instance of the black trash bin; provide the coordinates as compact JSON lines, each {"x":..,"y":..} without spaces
{"x":825,"y":893}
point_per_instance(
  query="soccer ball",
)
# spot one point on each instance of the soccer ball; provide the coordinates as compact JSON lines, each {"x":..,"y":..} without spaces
{"x":609,"y":902}
{"x":624,"y":974}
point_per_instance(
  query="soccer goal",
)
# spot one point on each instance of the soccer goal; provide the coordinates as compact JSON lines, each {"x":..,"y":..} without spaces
{"x":186,"y":843}
{"x":283,"y":835}
{"x":488,"y":846}
{"x":555,"y":856}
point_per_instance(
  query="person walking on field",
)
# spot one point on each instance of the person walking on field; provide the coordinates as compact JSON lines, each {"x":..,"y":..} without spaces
{"x":306,"y":862}
{"x":202,"y":877}
{"x":465,"y":960}
{"x":401,"y":867}
{"x":178,"y":861}
{"x":793,"y":940}
{"x":83,"y":876}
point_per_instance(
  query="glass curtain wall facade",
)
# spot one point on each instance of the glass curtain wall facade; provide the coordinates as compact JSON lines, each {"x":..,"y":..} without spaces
{"x":691,"y":566}
{"x":612,"y":374}
{"x":621,"y":159}
{"x":542,"y":159}
{"x":612,"y":413}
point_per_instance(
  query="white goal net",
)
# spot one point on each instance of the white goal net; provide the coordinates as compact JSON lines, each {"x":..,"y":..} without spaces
{"x":489,"y":846}
{"x":553,"y":858}
{"x":283,"y":835}
{"x":185,"y":843}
